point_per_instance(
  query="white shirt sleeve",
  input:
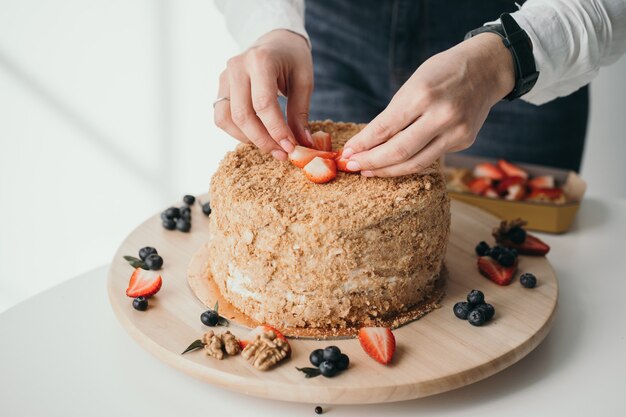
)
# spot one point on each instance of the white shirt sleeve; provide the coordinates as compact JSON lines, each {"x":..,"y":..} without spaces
{"x":248,"y":20}
{"x":571,"y":40}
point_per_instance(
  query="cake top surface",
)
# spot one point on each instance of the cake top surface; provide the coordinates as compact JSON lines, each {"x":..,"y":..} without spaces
{"x":350,"y":200}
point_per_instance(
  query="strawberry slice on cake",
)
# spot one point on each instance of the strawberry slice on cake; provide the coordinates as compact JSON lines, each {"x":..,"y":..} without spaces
{"x":302,"y":155}
{"x":322,"y":141}
{"x":342,"y":163}
{"x":320,"y":170}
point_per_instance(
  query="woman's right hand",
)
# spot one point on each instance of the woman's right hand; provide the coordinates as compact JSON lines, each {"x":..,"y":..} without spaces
{"x":279,"y":61}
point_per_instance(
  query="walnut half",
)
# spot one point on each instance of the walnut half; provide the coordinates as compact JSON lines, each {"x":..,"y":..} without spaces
{"x":216,"y":344}
{"x":266,"y":350}
{"x":231,"y":344}
{"x":213,"y":344}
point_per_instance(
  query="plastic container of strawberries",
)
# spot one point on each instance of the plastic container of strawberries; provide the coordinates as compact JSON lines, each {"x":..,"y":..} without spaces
{"x":541,"y":216}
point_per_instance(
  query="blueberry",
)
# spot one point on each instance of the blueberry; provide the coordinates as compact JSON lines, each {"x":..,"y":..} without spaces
{"x":210,"y":318}
{"x":487,"y":310}
{"x":495,"y":252}
{"x":318,"y":410}
{"x":461,"y":309}
{"x":476,"y":317}
{"x":183,"y":225}
{"x":506,"y":258}
{"x":185,"y":213}
{"x":328,"y":368}
{"x":140,"y":303}
{"x":189,"y":199}
{"x":475,"y":297}
{"x":172,"y":213}
{"x":153,"y":261}
{"x":482,"y":248}
{"x":169,"y":224}
{"x":316,"y":357}
{"x":143,"y":252}
{"x":164,"y":216}
{"x":343,"y":362}
{"x":332,"y":353}
{"x":514,"y":252}
{"x":528,"y":280}
{"x":517,"y":235}
{"x":206,"y":208}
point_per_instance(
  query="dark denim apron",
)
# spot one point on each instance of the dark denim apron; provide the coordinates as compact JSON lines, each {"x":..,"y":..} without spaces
{"x":364,"y":50}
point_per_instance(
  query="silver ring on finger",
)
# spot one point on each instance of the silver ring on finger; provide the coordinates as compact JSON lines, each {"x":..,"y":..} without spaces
{"x":219,"y":99}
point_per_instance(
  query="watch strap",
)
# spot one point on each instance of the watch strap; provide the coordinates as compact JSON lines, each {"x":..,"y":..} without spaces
{"x":519,"y":44}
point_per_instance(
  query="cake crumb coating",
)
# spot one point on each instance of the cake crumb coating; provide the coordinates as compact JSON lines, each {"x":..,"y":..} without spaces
{"x":291,"y":253}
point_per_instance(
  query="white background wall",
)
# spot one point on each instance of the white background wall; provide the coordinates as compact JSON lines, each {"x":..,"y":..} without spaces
{"x":106,"y":118}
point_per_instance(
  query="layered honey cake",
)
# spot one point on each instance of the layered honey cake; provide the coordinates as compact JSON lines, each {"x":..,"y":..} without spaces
{"x":350,"y":253}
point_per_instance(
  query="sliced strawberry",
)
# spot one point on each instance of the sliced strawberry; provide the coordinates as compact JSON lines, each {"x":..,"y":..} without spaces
{"x":512,"y":170}
{"x":302,"y":156}
{"x":488,"y":170}
{"x":532,"y":245}
{"x":378,"y":342}
{"x":515,"y":192}
{"x":503,"y":186}
{"x":342,"y":163}
{"x":322,"y":141}
{"x":143,"y":283}
{"x":249,"y":338}
{"x":548,"y":195}
{"x":491,"y":192}
{"x":320,"y":170}
{"x":501,"y":275}
{"x":479,"y":185}
{"x":544,"y":181}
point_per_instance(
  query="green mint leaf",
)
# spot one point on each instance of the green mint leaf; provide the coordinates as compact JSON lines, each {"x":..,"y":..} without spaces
{"x":196,"y":344}
{"x":135,"y":262}
{"x":310,"y":372}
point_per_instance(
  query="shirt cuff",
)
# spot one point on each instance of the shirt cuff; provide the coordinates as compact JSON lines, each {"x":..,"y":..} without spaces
{"x":265,"y":19}
{"x":551,"y":46}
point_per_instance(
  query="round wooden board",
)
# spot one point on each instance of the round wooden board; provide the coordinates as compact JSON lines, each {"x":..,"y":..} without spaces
{"x":434,"y":354}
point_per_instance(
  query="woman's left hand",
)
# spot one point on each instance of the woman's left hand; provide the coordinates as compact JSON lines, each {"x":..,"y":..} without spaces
{"x":439,"y":109}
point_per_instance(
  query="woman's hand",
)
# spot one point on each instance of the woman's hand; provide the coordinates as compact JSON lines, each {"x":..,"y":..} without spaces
{"x":439,"y":109}
{"x":279,"y":61}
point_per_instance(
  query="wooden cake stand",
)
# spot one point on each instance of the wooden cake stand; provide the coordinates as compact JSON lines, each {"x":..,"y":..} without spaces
{"x":434,"y":354}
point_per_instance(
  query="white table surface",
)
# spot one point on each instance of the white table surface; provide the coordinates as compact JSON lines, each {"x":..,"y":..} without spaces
{"x":63,"y":353}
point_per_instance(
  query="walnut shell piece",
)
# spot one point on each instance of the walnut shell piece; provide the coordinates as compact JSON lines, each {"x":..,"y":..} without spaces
{"x":266,"y":350}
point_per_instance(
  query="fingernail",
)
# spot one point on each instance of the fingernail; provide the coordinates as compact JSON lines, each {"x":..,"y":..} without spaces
{"x":366,"y":173}
{"x":347,"y":153}
{"x":309,"y":138}
{"x":287,"y":145}
{"x":353,"y":166}
{"x":280,"y":155}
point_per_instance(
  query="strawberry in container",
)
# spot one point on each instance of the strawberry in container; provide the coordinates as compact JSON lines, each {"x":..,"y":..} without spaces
{"x":548,"y":198}
{"x":511,"y":182}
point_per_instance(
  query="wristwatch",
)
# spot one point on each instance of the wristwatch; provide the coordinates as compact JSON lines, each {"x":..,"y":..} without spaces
{"x":517,"y":41}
